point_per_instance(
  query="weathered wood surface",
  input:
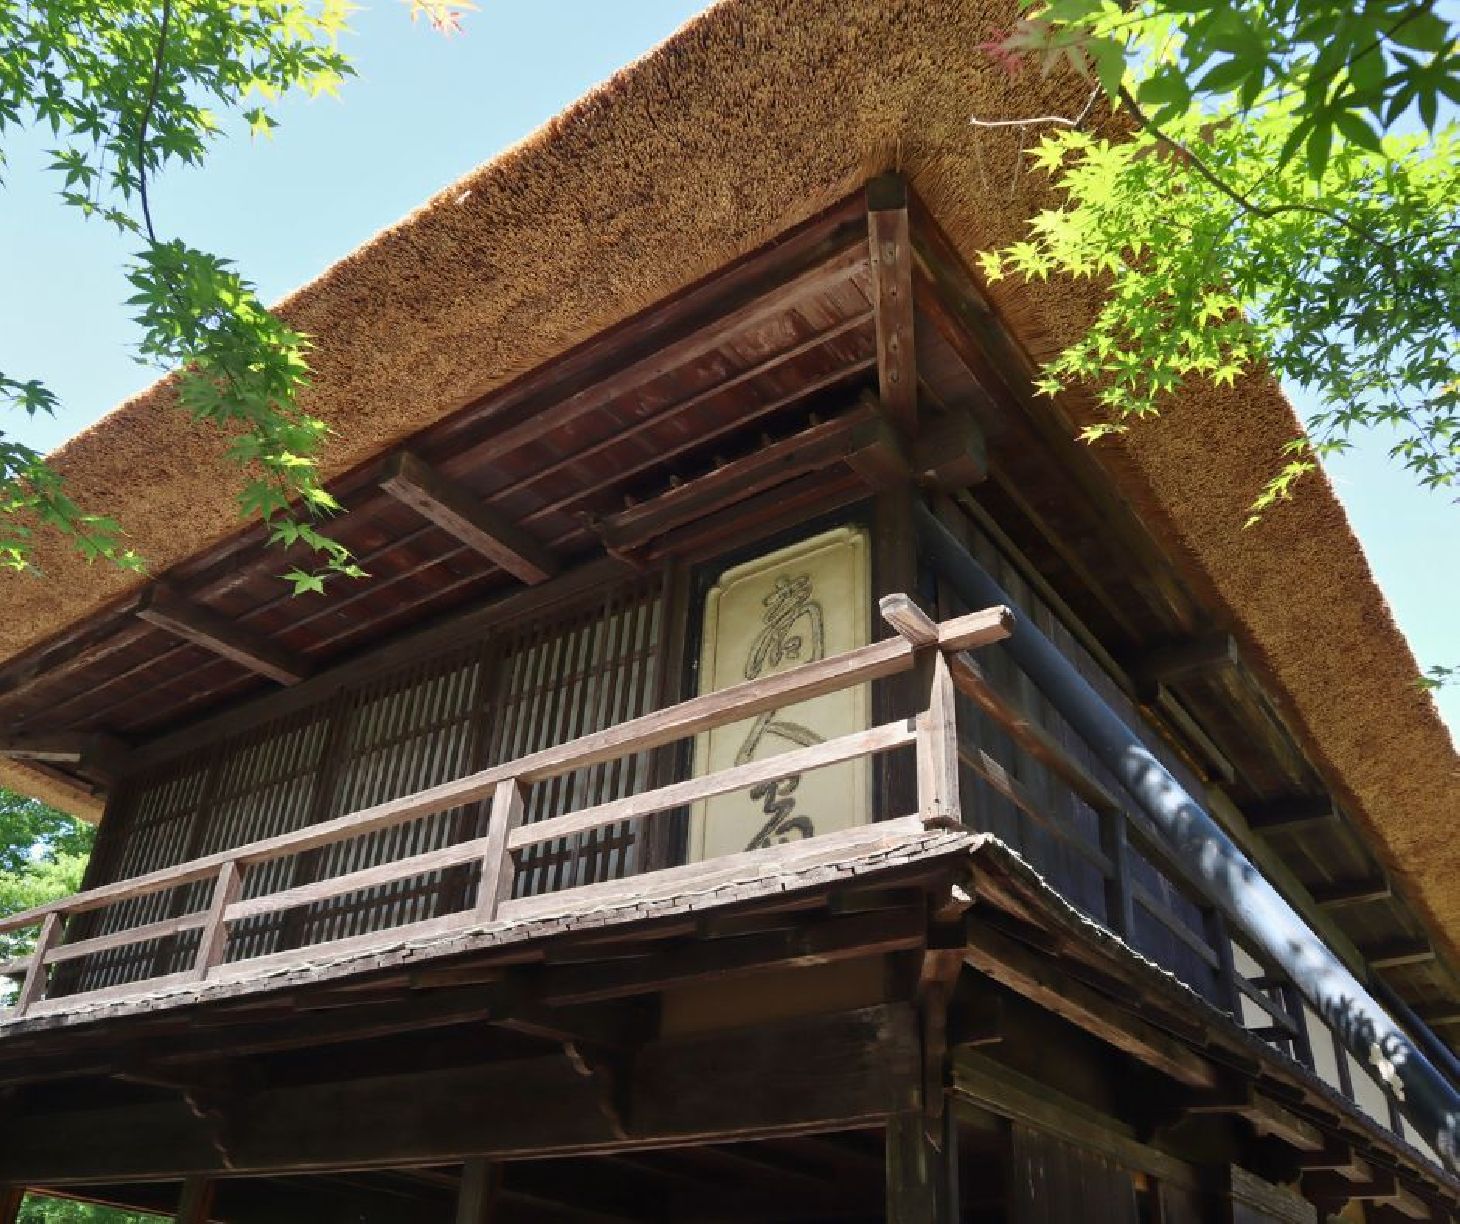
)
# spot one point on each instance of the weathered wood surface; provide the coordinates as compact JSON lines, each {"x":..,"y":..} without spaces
{"x":652,"y":730}
{"x":796,"y":1076}
{"x":1043,"y":982}
{"x":481,"y":1185}
{"x":416,"y":484}
{"x":874,"y":740}
{"x":935,"y":734}
{"x":888,"y":848}
{"x":891,"y":261}
{"x":203,"y":627}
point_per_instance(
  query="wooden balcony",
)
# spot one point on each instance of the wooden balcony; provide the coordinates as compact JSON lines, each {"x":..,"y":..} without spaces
{"x":1145,"y":896}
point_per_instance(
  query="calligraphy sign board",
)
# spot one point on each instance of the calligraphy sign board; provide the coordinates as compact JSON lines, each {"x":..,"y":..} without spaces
{"x":793,"y":606}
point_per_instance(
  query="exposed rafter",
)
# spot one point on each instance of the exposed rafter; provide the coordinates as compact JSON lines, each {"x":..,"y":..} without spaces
{"x":1351,"y":892}
{"x":451,"y":507}
{"x":203,"y":627}
{"x":1398,"y":952}
{"x":1294,"y":814}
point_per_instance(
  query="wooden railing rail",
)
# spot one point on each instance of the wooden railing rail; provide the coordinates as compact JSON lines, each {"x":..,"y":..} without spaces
{"x":933,"y":732}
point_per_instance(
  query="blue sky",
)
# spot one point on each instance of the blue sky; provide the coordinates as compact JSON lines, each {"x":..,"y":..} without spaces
{"x":424,"y":110}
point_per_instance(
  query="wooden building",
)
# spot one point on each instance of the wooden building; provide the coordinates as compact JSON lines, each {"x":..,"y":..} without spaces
{"x":655,"y":834}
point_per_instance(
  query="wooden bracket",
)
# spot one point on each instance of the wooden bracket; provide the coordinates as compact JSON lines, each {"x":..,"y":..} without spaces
{"x":92,"y":751}
{"x":1265,"y":1115}
{"x":203,"y":627}
{"x":455,"y":510}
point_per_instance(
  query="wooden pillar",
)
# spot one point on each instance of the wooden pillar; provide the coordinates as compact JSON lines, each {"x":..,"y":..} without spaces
{"x":11,"y":1197}
{"x":195,"y":1202}
{"x":481,"y":1182}
{"x":922,"y":1177}
{"x":894,"y":571}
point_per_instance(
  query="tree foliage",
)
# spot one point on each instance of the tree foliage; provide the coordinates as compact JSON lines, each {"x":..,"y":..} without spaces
{"x":41,"y":1210}
{"x":43,"y":853}
{"x":1285,"y":192}
{"x":124,"y":91}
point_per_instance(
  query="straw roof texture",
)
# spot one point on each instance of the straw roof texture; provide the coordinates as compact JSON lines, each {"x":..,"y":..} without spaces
{"x":755,"y":116}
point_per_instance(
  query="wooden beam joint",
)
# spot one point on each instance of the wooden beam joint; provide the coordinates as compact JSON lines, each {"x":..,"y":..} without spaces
{"x":164,"y":608}
{"x":416,"y":484}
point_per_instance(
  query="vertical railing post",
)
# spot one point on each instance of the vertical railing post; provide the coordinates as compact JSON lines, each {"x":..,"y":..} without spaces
{"x":34,"y":986}
{"x":937,"y":747}
{"x":214,"y":941}
{"x":509,"y":803}
{"x":1216,"y":926}
{"x":1120,"y":912}
{"x":937,"y":721}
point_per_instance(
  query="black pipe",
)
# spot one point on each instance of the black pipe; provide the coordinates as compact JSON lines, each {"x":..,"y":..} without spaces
{"x":1232,"y":883}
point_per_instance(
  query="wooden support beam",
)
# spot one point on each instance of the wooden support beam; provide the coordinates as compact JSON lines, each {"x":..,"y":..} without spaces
{"x":805,"y":1075}
{"x":1292,"y":815}
{"x":858,"y":437}
{"x":1336,"y":1156}
{"x":481,"y":1187}
{"x":192,"y":622}
{"x":416,"y":484}
{"x":950,"y":454}
{"x":1265,"y":1115}
{"x":1043,"y":982}
{"x":1350,"y":892}
{"x":1398,"y":952}
{"x":821,"y":942}
{"x":195,"y":1202}
{"x":90,"y":750}
{"x":891,"y":252}
{"x":1328,"y":1187}
{"x":1202,"y":746}
{"x":1438,"y":1015}
{"x":11,"y":1198}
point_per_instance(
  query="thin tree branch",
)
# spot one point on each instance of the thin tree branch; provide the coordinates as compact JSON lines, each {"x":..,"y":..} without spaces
{"x":1265,"y":211}
{"x":153,"y":89}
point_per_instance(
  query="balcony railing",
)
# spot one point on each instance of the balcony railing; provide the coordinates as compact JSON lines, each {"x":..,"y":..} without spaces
{"x":1138,"y":872}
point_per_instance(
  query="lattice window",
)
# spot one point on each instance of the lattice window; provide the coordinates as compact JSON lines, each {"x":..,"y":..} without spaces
{"x":555,"y":683}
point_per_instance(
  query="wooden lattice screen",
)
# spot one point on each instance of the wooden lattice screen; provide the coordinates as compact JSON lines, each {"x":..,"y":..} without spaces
{"x":438,"y":719}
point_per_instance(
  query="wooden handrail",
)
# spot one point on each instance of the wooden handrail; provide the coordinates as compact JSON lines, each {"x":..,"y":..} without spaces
{"x":933,"y":732}
{"x":640,"y":734}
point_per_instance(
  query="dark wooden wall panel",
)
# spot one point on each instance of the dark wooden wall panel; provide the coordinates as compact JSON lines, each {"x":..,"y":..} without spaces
{"x":1055,"y":830}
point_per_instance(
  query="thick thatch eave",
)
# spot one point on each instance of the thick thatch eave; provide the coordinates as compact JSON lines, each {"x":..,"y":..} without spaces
{"x":754,"y":117}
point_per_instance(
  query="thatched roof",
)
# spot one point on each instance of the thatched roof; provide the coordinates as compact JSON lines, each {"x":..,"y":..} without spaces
{"x":755,"y":116}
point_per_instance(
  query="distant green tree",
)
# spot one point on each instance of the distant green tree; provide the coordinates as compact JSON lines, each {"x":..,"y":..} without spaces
{"x":43,"y":853}
{"x":41,"y":1210}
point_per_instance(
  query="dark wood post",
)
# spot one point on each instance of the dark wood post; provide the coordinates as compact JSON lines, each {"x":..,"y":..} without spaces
{"x":922,"y":1180}
{"x":11,"y":1197}
{"x":1119,"y":906}
{"x":195,"y":1202}
{"x":481,"y":1182}
{"x":34,"y":986}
